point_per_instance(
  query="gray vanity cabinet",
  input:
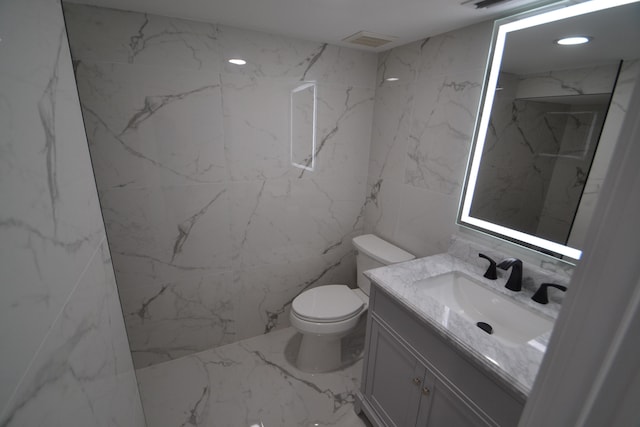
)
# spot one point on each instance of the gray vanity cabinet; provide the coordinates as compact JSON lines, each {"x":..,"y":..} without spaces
{"x":394,"y":379}
{"x":413,"y":378}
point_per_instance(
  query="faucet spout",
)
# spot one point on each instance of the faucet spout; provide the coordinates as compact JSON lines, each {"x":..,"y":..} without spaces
{"x":514,"y":283}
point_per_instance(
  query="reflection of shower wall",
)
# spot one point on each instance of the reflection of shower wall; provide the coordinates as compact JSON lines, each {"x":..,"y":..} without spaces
{"x":513,"y":181}
{"x":610,"y":132}
{"x":518,"y":187}
{"x":581,"y":127}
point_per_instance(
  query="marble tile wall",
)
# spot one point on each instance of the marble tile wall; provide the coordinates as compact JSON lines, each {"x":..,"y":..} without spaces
{"x":65,"y":356}
{"x":212,"y":231}
{"x":422,"y":130}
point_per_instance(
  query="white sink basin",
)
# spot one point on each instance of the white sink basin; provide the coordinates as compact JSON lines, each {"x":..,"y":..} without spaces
{"x":512,"y":323}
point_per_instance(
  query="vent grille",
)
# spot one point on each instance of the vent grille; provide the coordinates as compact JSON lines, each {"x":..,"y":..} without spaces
{"x":364,"y":38}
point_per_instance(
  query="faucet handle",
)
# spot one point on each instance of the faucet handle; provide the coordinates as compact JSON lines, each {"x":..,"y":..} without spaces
{"x":541,"y":296}
{"x":491,"y":272}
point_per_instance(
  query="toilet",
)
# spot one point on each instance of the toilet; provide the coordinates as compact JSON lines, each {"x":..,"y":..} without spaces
{"x":325,"y":314}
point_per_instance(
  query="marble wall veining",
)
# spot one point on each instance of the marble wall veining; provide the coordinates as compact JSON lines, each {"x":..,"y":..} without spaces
{"x":422,"y":131}
{"x":212,"y":231}
{"x":65,"y":356}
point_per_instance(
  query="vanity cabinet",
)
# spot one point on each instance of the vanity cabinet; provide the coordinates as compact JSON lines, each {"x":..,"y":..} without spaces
{"x":412,"y":377}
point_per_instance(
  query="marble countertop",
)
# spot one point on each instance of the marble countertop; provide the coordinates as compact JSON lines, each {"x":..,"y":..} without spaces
{"x":513,"y":366}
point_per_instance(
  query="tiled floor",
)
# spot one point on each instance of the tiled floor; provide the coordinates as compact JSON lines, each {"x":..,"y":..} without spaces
{"x":251,"y":382}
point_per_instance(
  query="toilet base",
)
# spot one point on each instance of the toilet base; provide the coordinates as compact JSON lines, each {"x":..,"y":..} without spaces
{"x":319,"y":353}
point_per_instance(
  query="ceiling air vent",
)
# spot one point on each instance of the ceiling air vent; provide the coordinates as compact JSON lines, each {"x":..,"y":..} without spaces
{"x":483,"y":4}
{"x":364,"y":38}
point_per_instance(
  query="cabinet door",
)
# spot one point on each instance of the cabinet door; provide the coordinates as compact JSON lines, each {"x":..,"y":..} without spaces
{"x":394,"y":379}
{"x":443,"y":407}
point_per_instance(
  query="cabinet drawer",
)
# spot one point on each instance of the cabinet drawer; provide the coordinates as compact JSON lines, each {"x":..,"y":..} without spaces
{"x":494,"y":400}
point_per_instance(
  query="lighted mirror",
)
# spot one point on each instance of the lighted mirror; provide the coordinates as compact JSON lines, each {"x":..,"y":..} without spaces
{"x":548,"y":122}
{"x":303,"y":126}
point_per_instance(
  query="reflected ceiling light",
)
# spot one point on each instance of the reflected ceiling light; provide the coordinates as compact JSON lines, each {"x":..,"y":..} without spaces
{"x":237,"y":61}
{"x":574,"y":40}
{"x":392,"y":79}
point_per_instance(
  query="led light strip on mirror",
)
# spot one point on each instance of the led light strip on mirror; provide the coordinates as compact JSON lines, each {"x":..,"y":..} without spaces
{"x":483,"y":124}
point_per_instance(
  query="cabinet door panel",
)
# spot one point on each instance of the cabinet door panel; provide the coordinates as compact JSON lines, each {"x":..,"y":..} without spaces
{"x":394,"y":379}
{"x":503,"y":407}
{"x":444,"y":408}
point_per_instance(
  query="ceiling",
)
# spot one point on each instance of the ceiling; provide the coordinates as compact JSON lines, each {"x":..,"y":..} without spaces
{"x":326,"y":21}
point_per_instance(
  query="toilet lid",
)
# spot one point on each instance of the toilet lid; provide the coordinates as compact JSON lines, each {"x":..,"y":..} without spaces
{"x":330,"y":303}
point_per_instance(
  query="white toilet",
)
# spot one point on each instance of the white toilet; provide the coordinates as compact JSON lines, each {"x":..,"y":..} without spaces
{"x":327,"y":313}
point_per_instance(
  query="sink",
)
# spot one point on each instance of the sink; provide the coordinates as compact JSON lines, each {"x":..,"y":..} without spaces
{"x":512,"y":323}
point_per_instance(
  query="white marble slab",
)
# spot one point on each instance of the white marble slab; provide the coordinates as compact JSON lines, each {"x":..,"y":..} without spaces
{"x":166,"y":320}
{"x":390,"y":131}
{"x":82,"y":374}
{"x":442,"y":129}
{"x":281,"y":221}
{"x":402,"y":63}
{"x":424,"y":222}
{"x":109,"y":35}
{"x":515,"y":366}
{"x":193,"y":166}
{"x":455,"y":51}
{"x":65,"y":357}
{"x":249,"y":382}
{"x":136,"y":115}
{"x":168,"y":233}
{"x":421,"y":135}
{"x":145,"y":39}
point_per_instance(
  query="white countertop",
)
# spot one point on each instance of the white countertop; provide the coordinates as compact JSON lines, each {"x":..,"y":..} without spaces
{"x":514,"y":366}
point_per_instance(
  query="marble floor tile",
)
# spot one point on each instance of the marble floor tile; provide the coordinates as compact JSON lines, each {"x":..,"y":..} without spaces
{"x":252,"y":382}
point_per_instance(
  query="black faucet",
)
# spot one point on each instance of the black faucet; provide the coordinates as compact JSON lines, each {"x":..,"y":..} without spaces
{"x":491,"y":272}
{"x":541,"y":294}
{"x":514,"y":283}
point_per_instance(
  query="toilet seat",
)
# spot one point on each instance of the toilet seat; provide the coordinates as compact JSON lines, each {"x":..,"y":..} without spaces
{"x":327,"y":304}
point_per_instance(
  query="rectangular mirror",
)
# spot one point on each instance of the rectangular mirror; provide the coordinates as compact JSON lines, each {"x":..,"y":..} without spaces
{"x":548,"y":122}
{"x":303,"y":126}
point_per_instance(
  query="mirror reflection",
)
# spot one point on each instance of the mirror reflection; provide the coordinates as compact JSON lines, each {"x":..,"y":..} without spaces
{"x":548,"y":125}
{"x":538,"y":153}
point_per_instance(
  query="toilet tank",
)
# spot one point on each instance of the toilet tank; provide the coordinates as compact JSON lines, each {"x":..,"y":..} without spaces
{"x":373,"y":252}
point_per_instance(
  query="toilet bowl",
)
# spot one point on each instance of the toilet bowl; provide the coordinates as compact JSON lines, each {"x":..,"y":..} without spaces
{"x":325,"y":314}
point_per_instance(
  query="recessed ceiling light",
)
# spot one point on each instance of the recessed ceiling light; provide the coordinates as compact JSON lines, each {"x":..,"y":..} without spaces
{"x":570,"y":41}
{"x":392,"y":79}
{"x":237,"y":61}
